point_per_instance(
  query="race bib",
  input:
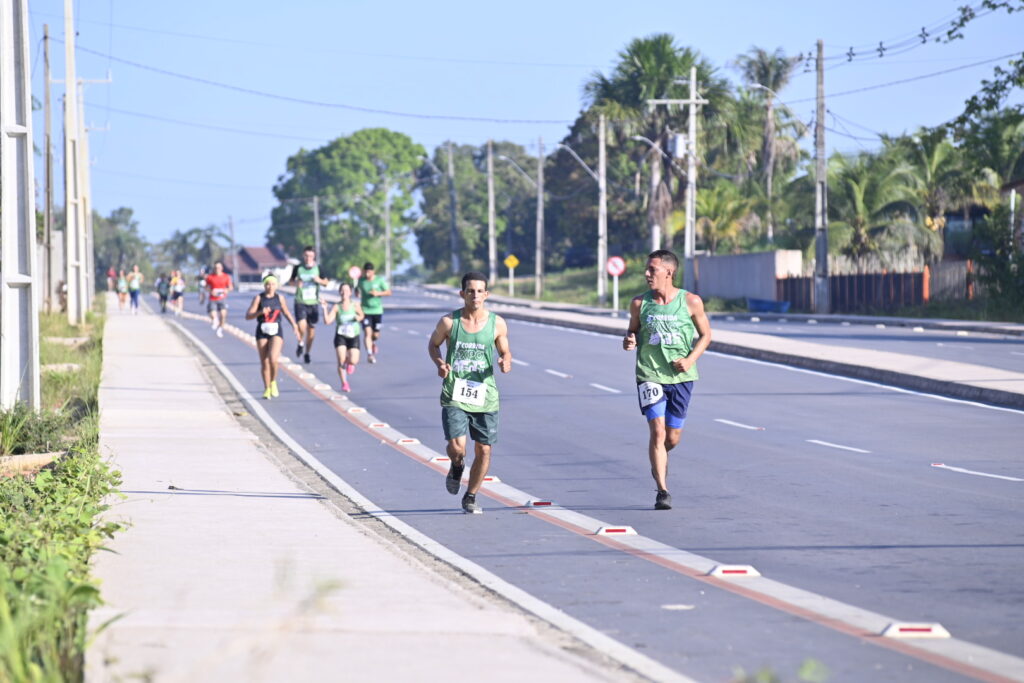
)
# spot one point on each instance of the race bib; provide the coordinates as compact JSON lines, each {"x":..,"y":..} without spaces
{"x":308,"y":292}
{"x":349,"y":329}
{"x":270,"y":329}
{"x":218,"y":292}
{"x":649,"y":393}
{"x":469,"y":392}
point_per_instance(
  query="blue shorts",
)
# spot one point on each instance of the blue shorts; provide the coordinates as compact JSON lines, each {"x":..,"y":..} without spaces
{"x":672,"y":406}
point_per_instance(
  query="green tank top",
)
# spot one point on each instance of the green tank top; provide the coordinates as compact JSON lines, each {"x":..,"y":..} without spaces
{"x":666,"y":333}
{"x":470,"y":385}
{"x":308,"y":291}
{"x":348,"y":326}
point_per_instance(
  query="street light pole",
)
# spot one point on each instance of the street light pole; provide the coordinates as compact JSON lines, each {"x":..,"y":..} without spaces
{"x":387,"y":230}
{"x":454,"y":235}
{"x":822,"y":301}
{"x":492,"y":239}
{"x":602,"y":212}
{"x":316,"y":224}
{"x":538,"y":277}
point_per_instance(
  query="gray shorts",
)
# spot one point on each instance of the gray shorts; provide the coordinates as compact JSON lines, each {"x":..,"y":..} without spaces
{"x":212,"y":306}
{"x":482,"y":427}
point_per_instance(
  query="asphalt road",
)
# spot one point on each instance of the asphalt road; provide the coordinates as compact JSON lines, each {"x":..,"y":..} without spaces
{"x":1005,"y":352}
{"x":822,"y":483}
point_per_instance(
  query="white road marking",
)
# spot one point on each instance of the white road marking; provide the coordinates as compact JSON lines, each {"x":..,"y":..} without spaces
{"x":755,"y":319}
{"x":604,"y":388}
{"x":1016,"y":353}
{"x":413,"y":333}
{"x":519,"y":362}
{"x":739,"y":424}
{"x":556,"y":373}
{"x":395,"y":329}
{"x":680,"y":608}
{"x":835,"y":445}
{"x":974,"y":472}
{"x":961,"y":333}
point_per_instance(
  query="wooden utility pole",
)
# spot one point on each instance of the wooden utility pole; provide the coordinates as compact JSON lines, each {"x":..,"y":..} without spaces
{"x":316,"y":224}
{"x":602,"y":212}
{"x":387,"y":230}
{"x":454,"y":236}
{"x":235,"y":278}
{"x":538,"y":268}
{"x":492,"y":239}
{"x":822,"y":301}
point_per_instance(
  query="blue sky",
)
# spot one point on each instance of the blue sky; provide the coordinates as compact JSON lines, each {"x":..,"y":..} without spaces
{"x":526,"y":60}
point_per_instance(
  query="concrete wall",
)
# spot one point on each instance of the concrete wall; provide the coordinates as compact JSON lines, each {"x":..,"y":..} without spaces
{"x":737,"y":276}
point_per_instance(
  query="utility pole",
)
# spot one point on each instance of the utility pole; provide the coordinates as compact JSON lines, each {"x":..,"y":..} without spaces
{"x":49,"y":281}
{"x":74,"y":217}
{"x":19,"y":321}
{"x":822,"y":299}
{"x":492,"y":240}
{"x":85,"y":190}
{"x":234,"y":253}
{"x":387,"y":230}
{"x":602,"y":212}
{"x":454,"y":236}
{"x":316,"y":224}
{"x":538,"y":276}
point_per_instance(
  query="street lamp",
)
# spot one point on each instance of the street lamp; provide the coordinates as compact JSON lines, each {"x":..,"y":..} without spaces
{"x":453,"y":237}
{"x":538,"y":266}
{"x":602,"y":210}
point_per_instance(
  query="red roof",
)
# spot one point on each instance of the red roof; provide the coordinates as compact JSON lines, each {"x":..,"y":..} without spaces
{"x":257,"y":259}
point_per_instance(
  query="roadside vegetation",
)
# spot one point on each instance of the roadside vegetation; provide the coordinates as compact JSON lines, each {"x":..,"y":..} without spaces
{"x":49,"y":512}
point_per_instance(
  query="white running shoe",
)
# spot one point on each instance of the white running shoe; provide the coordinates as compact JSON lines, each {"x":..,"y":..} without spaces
{"x":220,"y":331}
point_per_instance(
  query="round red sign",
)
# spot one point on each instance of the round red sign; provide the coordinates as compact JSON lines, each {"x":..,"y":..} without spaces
{"x":354,"y":272}
{"x":616,"y":266}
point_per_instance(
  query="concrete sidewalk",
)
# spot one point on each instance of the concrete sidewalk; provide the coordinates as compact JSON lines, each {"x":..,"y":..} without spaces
{"x":233,"y":569}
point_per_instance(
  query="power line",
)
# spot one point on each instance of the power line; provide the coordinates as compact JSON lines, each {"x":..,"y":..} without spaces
{"x":178,"y":181}
{"x":315,"y":103}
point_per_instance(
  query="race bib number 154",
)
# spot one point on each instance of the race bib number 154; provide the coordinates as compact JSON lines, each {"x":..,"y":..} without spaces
{"x":469,"y":392}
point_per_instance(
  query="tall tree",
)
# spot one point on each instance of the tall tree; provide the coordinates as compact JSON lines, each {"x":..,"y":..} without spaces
{"x":720,"y":210}
{"x":118,"y":243}
{"x":771,"y":72}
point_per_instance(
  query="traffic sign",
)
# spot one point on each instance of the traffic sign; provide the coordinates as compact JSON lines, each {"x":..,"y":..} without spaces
{"x":354,"y":272}
{"x":616,"y":266}
{"x":511,"y":261}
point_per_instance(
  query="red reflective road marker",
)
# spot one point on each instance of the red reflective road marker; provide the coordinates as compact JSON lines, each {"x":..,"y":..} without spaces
{"x":733,"y":571}
{"x":407,"y":441}
{"x":616,"y":531}
{"x":915,"y":630}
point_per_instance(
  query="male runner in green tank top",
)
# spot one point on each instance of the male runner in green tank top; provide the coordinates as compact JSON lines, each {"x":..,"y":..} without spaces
{"x":673,"y":333}
{"x":307,"y":280}
{"x":469,"y":394}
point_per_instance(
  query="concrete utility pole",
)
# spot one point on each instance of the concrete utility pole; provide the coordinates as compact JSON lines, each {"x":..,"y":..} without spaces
{"x":234,"y":252}
{"x":538,"y":275}
{"x":387,"y":230}
{"x":316,"y":224}
{"x":492,"y":239}
{"x":822,"y":299}
{"x":454,"y":236}
{"x":74,"y":215}
{"x":85,"y":189}
{"x":691,"y":175}
{"x":19,"y":320}
{"x":602,"y":212}
{"x":49,"y":277}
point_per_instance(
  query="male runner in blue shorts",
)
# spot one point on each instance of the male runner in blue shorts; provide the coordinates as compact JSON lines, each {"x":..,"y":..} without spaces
{"x":673,"y":333}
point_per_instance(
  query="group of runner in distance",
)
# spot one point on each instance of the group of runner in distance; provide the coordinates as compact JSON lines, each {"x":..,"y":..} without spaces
{"x":667,"y":328}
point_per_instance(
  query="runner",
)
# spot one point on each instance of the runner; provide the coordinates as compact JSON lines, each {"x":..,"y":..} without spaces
{"x":268,"y":307}
{"x":307,"y":280}
{"x":346,"y":338}
{"x":111,"y":278}
{"x":177,"y":292}
{"x":371,"y":288}
{"x":163,"y":290}
{"x":218,"y":284}
{"x":469,"y":394}
{"x":674,"y":332}
{"x":122,"y":291}
{"x":135,"y":279}
{"x":201,"y":286}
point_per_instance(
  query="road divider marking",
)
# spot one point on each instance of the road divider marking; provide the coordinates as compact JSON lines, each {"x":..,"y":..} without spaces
{"x":755,"y":319}
{"x":880,"y":326}
{"x":738,"y":424}
{"x":413,"y":333}
{"x":519,"y":362}
{"x":395,"y":329}
{"x":918,"y":329}
{"x":539,"y":503}
{"x":829,"y":444}
{"x":604,"y":388}
{"x":974,"y":472}
{"x":812,"y":321}
{"x":490,"y":479}
{"x":556,"y":373}
{"x":915,"y":630}
{"x":616,"y":531}
{"x":441,"y":458}
{"x":962,"y":333}
{"x":406,"y":441}
{"x":1016,"y":353}
{"x":307,"y":375}
{"x":355,"y":410}
{"x":379,"y":425}
{"x":322,"y":387}
{"x":679,"y":607}
{"x":733,"y":571}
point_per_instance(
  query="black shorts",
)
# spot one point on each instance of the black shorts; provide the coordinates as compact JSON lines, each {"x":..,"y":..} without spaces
{"x":260,"y":334}
{"x":373,"y":321}
{"x":307,"y":312}
{"x":175,"y":296}
{"x":347,"y":342}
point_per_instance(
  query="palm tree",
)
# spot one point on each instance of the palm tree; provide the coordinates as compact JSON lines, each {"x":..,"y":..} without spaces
{"x":770,"y":73}
{"x":720,"y":210}
{"x":650,"y":68}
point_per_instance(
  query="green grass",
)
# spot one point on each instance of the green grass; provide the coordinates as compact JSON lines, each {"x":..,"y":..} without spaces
{"x":49,"y":520}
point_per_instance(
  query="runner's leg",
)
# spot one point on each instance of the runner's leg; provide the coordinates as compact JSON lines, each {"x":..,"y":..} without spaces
{"x":341,"y":353}
{"x":301,"y":324}
{"x":274,"y":355}
{"x":263,"y":347}
{"x":481,"y":463}
{"x":658,"y":452}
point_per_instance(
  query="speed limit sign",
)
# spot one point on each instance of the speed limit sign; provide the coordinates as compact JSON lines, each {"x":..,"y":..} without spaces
{"x":616,"y":266}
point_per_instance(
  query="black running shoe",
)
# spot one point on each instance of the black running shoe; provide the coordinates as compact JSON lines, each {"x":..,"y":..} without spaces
{"x":454,"y":479}
{"x":469,"y":505}
{"x":298,"y":350}
{"x":663,"y":501}
{"x":305,"y":357}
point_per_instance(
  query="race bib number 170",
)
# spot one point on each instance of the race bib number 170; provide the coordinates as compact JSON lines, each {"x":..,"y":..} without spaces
{"x":469,"y":392}
{"x":649,"y":393}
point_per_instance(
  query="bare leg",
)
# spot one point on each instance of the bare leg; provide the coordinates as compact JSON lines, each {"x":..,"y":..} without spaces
{"x":456,"y":450}
{"x":658,"y":453}
{"x":263,"y":346}
{"x":341,"y":353}
{"x":310,"y":335}
{"x":481,"y":463}
{"x":274,"y":355}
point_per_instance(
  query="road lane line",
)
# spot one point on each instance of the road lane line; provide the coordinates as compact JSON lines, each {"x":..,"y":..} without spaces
{"x":961,"y":656}
{"x":519,"y":362}
{"x":974,"y":472}
{"x":1016,"y":353}
{"x":604,"y":388}
{"x":738,"y":424}
{"x":556,"y":373}
{"x":835,"y":445}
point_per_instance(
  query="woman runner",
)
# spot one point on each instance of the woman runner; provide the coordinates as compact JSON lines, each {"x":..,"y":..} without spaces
{"x":346,"y":340}
{"x":268,"y":308}
{"x":122,"y":291}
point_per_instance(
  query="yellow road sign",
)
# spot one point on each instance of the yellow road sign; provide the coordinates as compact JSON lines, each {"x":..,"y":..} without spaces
{"x":511,"y":261}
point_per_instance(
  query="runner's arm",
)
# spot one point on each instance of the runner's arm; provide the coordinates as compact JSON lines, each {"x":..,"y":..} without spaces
{"x":295,"y":275}
{"x":358,"y":311}
{"x":629,"y":341}
{"x":253,"y":308}
{"x":382,"y":292}
{"x":501,"y":343}
{"x":438,"y":337}
{"x":329,"y":315}
{"x":286,"y":312}
{"x":700,"y":320}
